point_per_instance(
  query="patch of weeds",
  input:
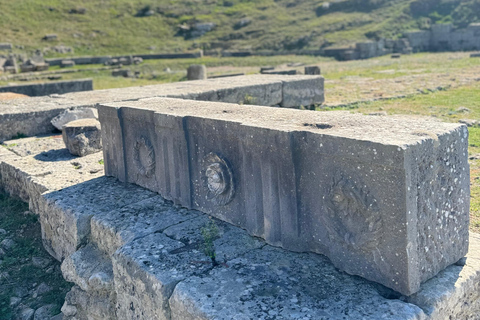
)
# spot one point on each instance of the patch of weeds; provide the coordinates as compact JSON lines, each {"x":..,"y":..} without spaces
{"x":19,"y":136}
{"x":210,"y":232}
{"x":101,"y":161}
{"x":11,"y":145}
{"x":249,"y":99}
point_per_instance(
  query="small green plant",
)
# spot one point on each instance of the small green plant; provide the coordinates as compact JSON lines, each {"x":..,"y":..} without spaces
{"x":210,"y":233}
{"x":101,"y":161}
{"x":249,"y":99}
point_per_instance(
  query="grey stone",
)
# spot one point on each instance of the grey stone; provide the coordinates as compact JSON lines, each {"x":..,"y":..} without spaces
{"x":82,"y":137}
{"x":32,"y":116}
{"x":21,"y":292}
{"x":2,"y":253}
{"x":34,"y":145}
{"x":41,"y":262}
{"x":312,"y":70}
{"x":5,"y":46}
{"x":26,"y":314}
{"x":111,"y":230}
{"x":57,"y":317}
{"x":197,"y":72}
{"x":7,"y":244}
{"x":68,"y":310}
{"x":469,"y":122}
{"x":371,"y":199}
{"x":122,"y":73}
{"x":3,"y":232}
{"x":273,"y":284}
{"x":44,"y":312}
{"x":156,"y":263}
{"x":14,"y":301}
{"x":43,"y":288}
{"x":67,"y":64}
{"x":73,"y":114}
{"x":475,"y":55}
{"x":65,"y":214}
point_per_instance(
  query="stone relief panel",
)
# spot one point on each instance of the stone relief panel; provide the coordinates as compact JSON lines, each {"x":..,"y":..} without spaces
{"x":144,"y":156}
{"x":352,"y":215}
{"x":218,"y":179}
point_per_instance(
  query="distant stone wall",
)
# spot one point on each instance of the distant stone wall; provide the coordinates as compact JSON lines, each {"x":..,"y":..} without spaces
{"x":48,"y":88}
{"x":443,"y":37}
{"x":369,"y":49}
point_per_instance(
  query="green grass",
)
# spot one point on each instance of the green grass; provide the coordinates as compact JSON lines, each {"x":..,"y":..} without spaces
{"x":112,"y":27}
{"x":23,"y":228}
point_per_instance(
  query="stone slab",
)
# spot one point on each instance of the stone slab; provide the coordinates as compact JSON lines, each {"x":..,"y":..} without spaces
{"x":147,"y":270}
{"x":65,"y":214}
{"x":34,"y":145}
{"x":111,"y":230}
{"x":48,"y":88}
{"x":32,"y":116}
{"x":386,"y":199}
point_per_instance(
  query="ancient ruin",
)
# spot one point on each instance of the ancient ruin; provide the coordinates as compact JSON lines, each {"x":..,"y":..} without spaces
{"x":360,"y":189}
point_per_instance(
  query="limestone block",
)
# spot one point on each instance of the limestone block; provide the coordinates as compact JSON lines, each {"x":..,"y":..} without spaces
{"x":312,"y":70}
{"x":273,"y":284}
{"x":74,"y":114}
{"x":67,"y":63}
{"x":65,"y":214}
{"x":82,"y":137}
{"x":386,"y":199}
{"x":80,"y":304}
{"x":111,"y":230}
{"x":305,"y":92}
{"x":147,"y":270}
{"x":197,"y":72}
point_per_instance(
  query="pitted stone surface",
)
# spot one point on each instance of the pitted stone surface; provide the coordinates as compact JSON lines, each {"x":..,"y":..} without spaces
{"x":111,"y":230}
{"x":65,"y":214}
{"x":389,"y":202}
{"x":80,"y":305}
{"x":274,"y":284}
{"x":82,"y":137}
{"x":34,"y":145}
{"x":147,"y":270}
{"x":33,"y":116}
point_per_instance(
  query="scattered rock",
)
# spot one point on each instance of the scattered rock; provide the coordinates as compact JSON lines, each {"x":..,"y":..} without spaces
{"x":469,"y":122}
{"x":82,"y":137}
{"x":40,"y":262}
{"x":45,"y":312}
{"x":73,"y":114}
{"x":21,"y":292}
{"x":14,"y":301}
{"x":396,"y":56}
{"x":43,"y":288}
{"x":197,"y":72}
{"x":50,"y":37}
{"x":242,"y":23}
{"x":7,"y":244}
{"x":312,"y":70}
{"x":122,"y":73}
{"x":475,"y":55}
{"x":3,"y":232}
{"x":2,"y":252}
{"x":69,"y":310}
{"x":474,"y":157}
{"x":67,"y":63}
{"x":57,"y":317}
{"x":78,"y":11}
{"x":26,"y":314}
{"x":463,"y":109}
{"x":378,"y":113}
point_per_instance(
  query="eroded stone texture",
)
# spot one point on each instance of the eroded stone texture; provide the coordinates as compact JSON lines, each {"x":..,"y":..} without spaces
{"x":274,"y":284}
{"x":384,"y":198}
{"x":33,"y":116}
{"x":148,"y":269}
{"x":111,"y":230}
{"x":65,"y":214}
{"x":73,"y":114}
{"x":82,"y":137}
{"x":197,"y":72}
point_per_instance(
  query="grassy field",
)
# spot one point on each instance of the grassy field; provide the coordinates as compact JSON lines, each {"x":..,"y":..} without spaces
{"x":142,"y":26}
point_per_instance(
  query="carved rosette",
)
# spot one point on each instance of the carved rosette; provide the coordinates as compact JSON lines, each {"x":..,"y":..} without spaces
{"x":218,"y":179}
{"x":353,"y":217}
{"x":144,"y":156}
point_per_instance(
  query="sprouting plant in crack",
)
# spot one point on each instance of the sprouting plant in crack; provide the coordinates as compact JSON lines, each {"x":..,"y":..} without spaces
{"x":210,"y":233}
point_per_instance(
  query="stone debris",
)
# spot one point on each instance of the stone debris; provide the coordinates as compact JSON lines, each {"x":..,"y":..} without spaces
{"x":67,"y":63}
{"x":197,"y":72}
{"x":82,"y":137}
{"x":312,"y":70}
{"x":73,"y":114}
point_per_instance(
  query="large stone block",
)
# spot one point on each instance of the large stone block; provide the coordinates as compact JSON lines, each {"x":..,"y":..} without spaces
{"x":386,"y":199}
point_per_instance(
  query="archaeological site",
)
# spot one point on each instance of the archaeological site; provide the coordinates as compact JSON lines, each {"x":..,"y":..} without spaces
{"x":240,"y":160}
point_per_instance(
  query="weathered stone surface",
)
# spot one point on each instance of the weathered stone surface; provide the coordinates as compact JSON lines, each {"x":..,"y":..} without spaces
{"x":73,"y":114}
{"x":80,"y":304}
{"x":391,"y":193}
{"x":65,"y":214}
{"x":111,"y":230}
{"x":44,"y":312}
{"x":32,"y":116}
{"x":82,"y":137}
{"x":146,"y":270}
{"x":274,"y":284}
{"x":312,"y":70}
{"x":197,"y":72}
{"x":34,"y":145}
